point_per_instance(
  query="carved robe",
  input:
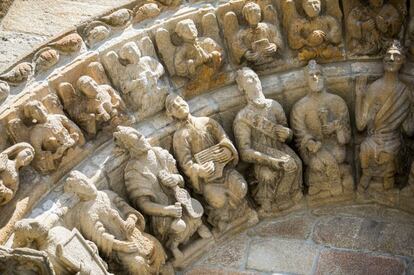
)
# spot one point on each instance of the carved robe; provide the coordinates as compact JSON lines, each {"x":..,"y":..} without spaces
{"x":387,"y":110}
{"x":300,"y":36}
{"x":372,"y":41}
{"x":141,"y":180}
{"x":101,"y":221}
{"x":252,"y":129}
{"x":326,"y":169}
{"x":197,"y":52}
{"x":256,"y":40}
{"x":194,"y":137}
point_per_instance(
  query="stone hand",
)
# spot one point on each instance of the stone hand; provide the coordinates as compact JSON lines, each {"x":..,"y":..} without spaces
{"x":271,"y":49}
{"x":75,"y":136}
{"x":166,"y":179}
{"x":368,"y":25}
{"x":289,"y":165}
{"x":175,"y":211}
{"x":251,"y":56}
{"x":129,"y":224}
{"x":283,"y":134}
{"x":126,"y":247}
{"x":313,"y":146}
{"x":206,"y":170}
{"x":223,"y":154}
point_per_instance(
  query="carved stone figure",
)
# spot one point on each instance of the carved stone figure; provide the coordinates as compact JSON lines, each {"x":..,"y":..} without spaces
{"x":261,"y":133}
{"x":321,"y":126}
{"x":318,"y":33}
{"x":138,"y":79}
{"x":382,"y":110}
{"x":117,"y":229}
{"x":52,"y":136}
{"x":11,"y":160}
{"x":94,"y":106}
{"x":195,"y":52}
{"x":372,"y":26}
{"x":258,"y":42}
{"x":208,"y":157}
{"x":33,"y":234}
{"x":155,"y":187}
{"x":24,"y":261}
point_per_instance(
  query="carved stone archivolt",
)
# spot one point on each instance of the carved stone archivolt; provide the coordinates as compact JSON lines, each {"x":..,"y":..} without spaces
{"x":139,"y":143}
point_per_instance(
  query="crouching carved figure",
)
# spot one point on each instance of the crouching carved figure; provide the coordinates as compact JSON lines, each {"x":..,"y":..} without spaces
{"x":155,"y":187}
{"x":52,"y":136}
{"x":117,"y":229}
{"x":11,"y":160}
{"x":261,"y":132}
{"x":208,"y":157}
{"x":93,"y":106}
{"x":320,"y":122}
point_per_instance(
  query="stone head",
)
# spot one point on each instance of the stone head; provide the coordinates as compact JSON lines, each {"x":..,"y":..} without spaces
{"x":187,"y":30}
{"x":80,"y":185}
{"x":130,"y":52}
{"x":312,"y":8}
{"x":88,"y":86}
{"x":24,"y":154}
{"x":36,"y":111}
{"x":29,"y":233}
{"x":131,"y":140}
{"x":177,"y":107}
{"x":66,"y":92}
{"x":248,"y":82}
{"x":314,"y":77}
{"x":394,"y":57}
{"x":376,"y":3}
{"x":252,"y":13}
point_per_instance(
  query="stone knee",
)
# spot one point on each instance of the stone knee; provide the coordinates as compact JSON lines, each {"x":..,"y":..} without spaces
{"x":237,"y":185}
{"x":215,"y":197}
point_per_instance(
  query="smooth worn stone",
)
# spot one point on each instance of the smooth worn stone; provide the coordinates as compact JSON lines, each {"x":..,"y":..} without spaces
{"x":334,"y":262}
{"x":231,"y":255}
{"x":272,"y":255}
{"x":292,"y":228}
{"x":21,"y":43}
{"x":48,"y":17}
{"x":364,"y":233}
{"x":218,"y":271}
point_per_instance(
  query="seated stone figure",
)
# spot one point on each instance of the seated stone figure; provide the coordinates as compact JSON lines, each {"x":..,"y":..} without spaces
{"x":383,"y":109}
{"x":259,"y":42}
{"x":117,"y":229}
{"x":316,"y":35}
{"x":137,"y":78}
{"x":154,"y":186}
{"x":261,"y":133}
{"x":52,"y":136}
{"x":11,"y":160}
{"x":33,"y":234}
{"x":372,"y":27}
{"x":321,"y":126}
{"x":208,"y":157}
{"x":196,"y":52}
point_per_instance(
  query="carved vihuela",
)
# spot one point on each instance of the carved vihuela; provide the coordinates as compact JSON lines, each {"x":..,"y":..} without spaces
{"x":136,"y":143}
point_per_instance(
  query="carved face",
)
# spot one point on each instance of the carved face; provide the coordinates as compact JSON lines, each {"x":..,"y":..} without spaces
{"x":179,"y":108}
{"x":79,"y":184}
{"x":312,"y":7}
{"x":376,"y":3}
{"x":24,"y":157}
{"x":250,"y":83}
{"x":315,"y":79}
{"x":187,"y":30}
{"x":393,"y":60}
{"x":252,"y":14}
{"x":88,"y":86}
{"x":130,"y":52}
{"x":37,"y":112}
